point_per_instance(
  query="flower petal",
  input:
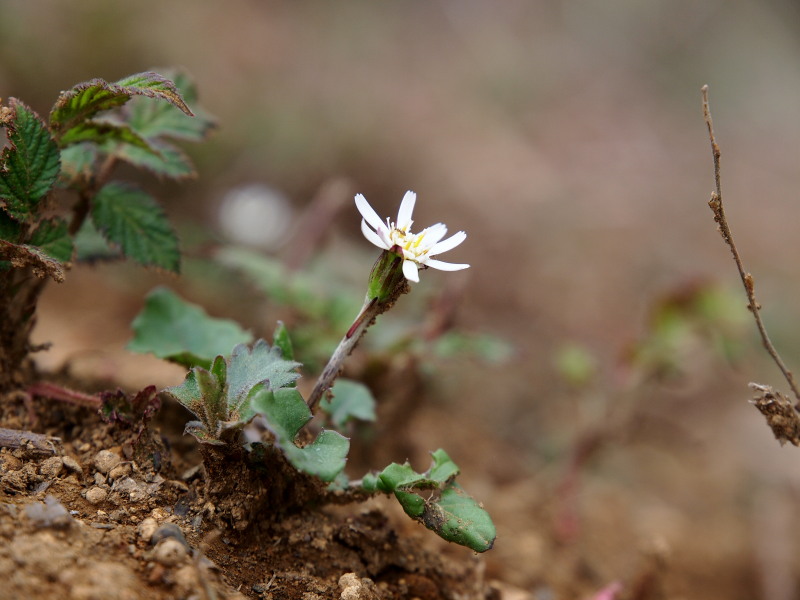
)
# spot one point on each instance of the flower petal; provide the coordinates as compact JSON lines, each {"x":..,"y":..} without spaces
{"x":372,"y":236}
{"x":432,"y":234}
{"x":411,"y":271}
{"x":444,"y":266}
{"x":406,"y":208}
{"x":368,"y":212}
{"x":448,"y":244}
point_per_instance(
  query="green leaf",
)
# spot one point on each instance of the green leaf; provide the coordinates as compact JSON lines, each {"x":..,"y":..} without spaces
{"x":437,"y":501}
{"x":87,"y":99}
{"x":151,"y":119}
{"x":10,"y":230}
{"x":77,"y":162}
{"x":286,"y":413}
{"x":176,"y":330}
{"x":350,"y":400}
{"x":133,"y":220}
{"x":104,"y":132}
{"x":161,"y":159}
{"x":282,"y":341}
{"x":91,"y":246}
{"x":52,"y":238}
{"x":29,"y":166}
{"x":250,"y":367}
{"x":222,"y":396}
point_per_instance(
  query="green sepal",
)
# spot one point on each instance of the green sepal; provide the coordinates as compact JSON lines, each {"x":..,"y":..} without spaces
{"x":132,"y":220}
{"x":386,"y":276}
{"x":29,"y":166}
{"x":181,"y":332}
{"x":285,"y":413}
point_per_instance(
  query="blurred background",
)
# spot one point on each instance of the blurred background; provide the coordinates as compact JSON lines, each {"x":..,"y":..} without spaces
{"x":597,"y":397}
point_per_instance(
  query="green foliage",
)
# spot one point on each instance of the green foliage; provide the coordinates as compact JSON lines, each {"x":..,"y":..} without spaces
{"x":176,"y":330}
{"x":220,"y":396}
{"x":52,"y":238}
{"x":30,"y":165}
{"x":285,"y":413}
{"x":437,"y":501}
{"x":281,"y":340}
{"x":133,"y":220}
{"x":350,"y":400}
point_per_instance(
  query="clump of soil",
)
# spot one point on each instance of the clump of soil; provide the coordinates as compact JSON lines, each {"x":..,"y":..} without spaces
{"x":102,"y":511}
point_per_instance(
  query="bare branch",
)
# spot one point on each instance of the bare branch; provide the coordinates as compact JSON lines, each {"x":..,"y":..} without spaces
{"x":715,"y":203}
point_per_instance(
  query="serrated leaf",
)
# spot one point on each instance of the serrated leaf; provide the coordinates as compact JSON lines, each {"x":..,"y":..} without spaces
{"x":179,"y":331}
{"x":87,"y":99}
{"x":41,"y":263}
{"x":350,"y":400}
{"x":437,"y":501}
{"x":91,"y":246}
{"x":286,"y":413}
{"x":133,"y":220}
{"x":10,"y":230}
{"x":104,"y":132}
{"x":153,"y":120}
{"x":29,"y":166}
{"x":162,"y":159}
{"x":52,"y":238}
{"x":77,"y":161}
{"x":250,"y":367}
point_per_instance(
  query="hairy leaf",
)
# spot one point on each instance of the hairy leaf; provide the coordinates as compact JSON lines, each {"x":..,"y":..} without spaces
{"x":77,"y":162}
{"x":87,"y":99}
{"x":176,"y":330}
{"x":350,"y":400}
{"x":250,"y":367}
{"x":91,"y":246}
{"x":52,"y":238}
{"x":29,"y":166}
{"x":437,"y":501}
{"x":161,"y":159}
{"x":104,"y":132}
{"x":286,"y":413}
{"x":42,"y":264}
{"x":133,"y":220}
{"x":151,"y":119}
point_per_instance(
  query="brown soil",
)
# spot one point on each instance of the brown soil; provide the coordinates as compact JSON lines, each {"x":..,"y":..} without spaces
{"x":101,"y":514}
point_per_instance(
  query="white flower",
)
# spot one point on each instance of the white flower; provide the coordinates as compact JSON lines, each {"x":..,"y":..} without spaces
{"x":418,"y":248}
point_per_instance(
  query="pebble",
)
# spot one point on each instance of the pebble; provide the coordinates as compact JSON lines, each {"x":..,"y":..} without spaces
{"x":121,"y":470}
{"x":169,"y":552}
{"x":51,"y":513}
{"x":96,"y":495}
{"x":71,"y":464}
{"x":147,"y":528}
{"x":169,"y":530}
{"x":105,"y":460}
{"x":51,"y":467}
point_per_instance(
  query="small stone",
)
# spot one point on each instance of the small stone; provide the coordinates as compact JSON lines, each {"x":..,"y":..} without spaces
{"x":186,"y":579}
{"x":169,"y":552}
{"x":51,"y":513}
{"x":121,"y":470}
{"x":71,"y":464}
{"x":169,"y":530}
{"x":96,"y":495}
{"x":159,"y":513}
{"x":99,"y":479}
{"x":9,"y":462}
{"x":105,"y":460}
{"x":147,"y":528}
{"x":51,"y":467}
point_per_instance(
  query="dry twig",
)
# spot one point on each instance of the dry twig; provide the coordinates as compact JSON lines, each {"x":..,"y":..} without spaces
{"x":747,"y":279}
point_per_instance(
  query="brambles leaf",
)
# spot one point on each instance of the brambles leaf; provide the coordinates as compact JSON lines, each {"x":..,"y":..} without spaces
{"x":286,"y":413}
{"x":53,"y":239}
{"x":437,"y":501}
{"x":351,"y":400}
{"x":87,"y":99}
{"x":220,"y":397}
{"x":102,"y":132}
{"x":29,"y":166}
{"x":151,"y":119}
{"x":91,"y":246}
{"x":162,"y":159}
{"x":133,"y":220}
{"x":77,"y":161}
{"x":176,"y":330}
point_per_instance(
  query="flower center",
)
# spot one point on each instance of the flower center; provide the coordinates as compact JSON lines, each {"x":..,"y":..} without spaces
{"x":409,"y":242}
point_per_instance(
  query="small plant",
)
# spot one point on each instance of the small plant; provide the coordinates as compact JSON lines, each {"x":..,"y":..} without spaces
{"x":58,"y":202}
{"x":248,"y":398}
